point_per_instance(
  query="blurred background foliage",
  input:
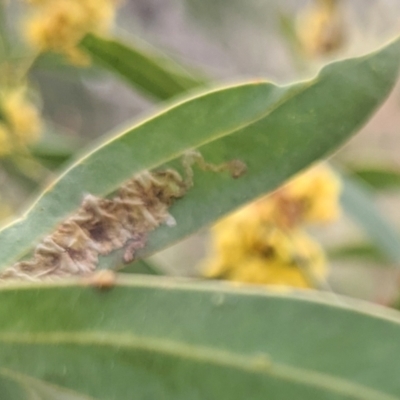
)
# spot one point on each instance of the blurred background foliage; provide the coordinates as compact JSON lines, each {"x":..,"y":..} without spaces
{"x":218,"y":41}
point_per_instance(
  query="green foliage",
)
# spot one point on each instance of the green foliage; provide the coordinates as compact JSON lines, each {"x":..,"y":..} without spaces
{"x":154,"y":337}
{"x":145,"y":69}
{"x":357,"y":251}
{"x":270,"y":128}
{"x":378,"y":177}
{"x":152,"y":73}
{"x":357,"y":199}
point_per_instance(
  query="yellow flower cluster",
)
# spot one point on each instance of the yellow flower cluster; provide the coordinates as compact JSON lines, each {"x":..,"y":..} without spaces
{"x":320,"y":28}
{"x":59,"y":25}
{"x":20,"y":122}
{"x":265,"y":242}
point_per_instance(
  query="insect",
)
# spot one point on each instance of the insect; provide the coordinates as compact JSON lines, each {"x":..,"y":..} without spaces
{"x":102,"y":280}
{"x":102,"y":225}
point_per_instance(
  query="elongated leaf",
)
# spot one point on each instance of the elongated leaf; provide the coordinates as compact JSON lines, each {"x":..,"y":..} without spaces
{"x":154,"y":338}
{"x":379,"y":178}
{"x":358,"y":251}
{"x":357,"y":201}
{"x":275,"y":130}
{"x":143,"y":68}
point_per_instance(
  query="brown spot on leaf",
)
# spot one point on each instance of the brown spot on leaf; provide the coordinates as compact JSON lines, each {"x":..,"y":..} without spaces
{"x":101,"y":226}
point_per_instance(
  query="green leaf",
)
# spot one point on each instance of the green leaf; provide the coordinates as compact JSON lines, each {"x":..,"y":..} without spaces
{"x":358,"y":202}
{"x":358,"y":251}
{"x":155,"y":338}
{"x":15,"y":386}
{"x":275,"y":130}
{"x":144,"y":68}
{"x":379,"y":177}
{"x":143,"y":267}
{"x":287,"y":29}
{"x":140,"y":266}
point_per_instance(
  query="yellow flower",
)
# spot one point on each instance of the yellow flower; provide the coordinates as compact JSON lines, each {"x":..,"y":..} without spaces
{"x":311,"y":197}
{"x":275,"y":259}
{"x":264,"y":242}
{"x":21,"y":116}
{"x":256,"y":271}
{"x":320,"y":28}
{"x":236,"y":233}
{"x":59,"y":25}
{"x":314,"y":194}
